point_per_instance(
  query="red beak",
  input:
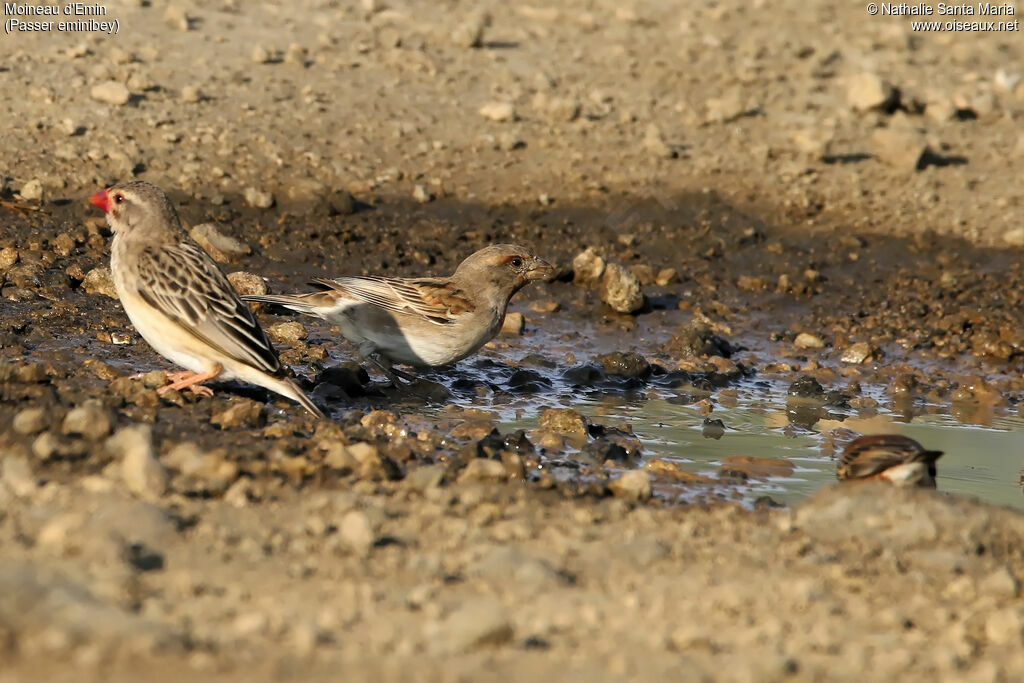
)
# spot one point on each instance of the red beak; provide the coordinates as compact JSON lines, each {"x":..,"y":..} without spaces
{"x":102,"y":200}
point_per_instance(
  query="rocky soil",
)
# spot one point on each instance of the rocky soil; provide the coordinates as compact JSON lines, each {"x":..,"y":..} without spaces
{"x":733,"y":193}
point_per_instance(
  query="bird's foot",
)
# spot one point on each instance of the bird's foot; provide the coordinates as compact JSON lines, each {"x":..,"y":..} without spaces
{"x":394,"y":376}
{"x":190,"y":381}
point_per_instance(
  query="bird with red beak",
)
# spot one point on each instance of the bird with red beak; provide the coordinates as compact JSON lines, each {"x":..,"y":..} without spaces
{"x":180,"y":301}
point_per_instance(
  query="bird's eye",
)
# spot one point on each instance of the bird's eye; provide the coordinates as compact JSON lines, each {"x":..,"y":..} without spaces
{"x":516,"y":262}
{"x":118,"y":198}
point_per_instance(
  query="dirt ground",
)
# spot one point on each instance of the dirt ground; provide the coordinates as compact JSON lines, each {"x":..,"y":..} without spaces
{"x":763,"y":170}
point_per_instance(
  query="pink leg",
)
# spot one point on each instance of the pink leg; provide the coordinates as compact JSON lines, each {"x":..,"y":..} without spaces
{"x":191,"y":381}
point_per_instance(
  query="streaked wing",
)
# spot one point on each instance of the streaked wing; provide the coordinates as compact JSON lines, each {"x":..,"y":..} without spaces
{"x":434,"y":300}
{"x":182,"y":282}
{"x":875,"y":455}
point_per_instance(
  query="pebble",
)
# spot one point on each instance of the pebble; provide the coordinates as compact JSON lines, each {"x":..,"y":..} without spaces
{"x":290,"y":332}
{"x":260,"y":199}
{"x":724,"y":109}
{"x":32,"y":191}
{"x":99,"y":281}
{"x":261,"y":55}
{"x":483,"y":470}
{"x":505,"y":565}
{"x":8,"y":257}
{"x":813,"y":142}
{"x":1007,"y":80}
{"x":30,"y":421}
{"x":424,"y":478}
{"x":514,"y":324}
{"x":342,"y":203}
{"x":205,"y":472}
{"x":621,"y":290}
{"x":587,"y":267}
{"x":867,"y":91}
{"x":939,"y":107}
{"x":632,"y":485}
{"x":221,"y":247}
{"x":239,"y":412}
{"x":758,"y":467}
{"x":602,"y":451}
{"x":861,"y":352}
{"x":654,"y":143}
{"x":806,"y":340}
{"x":190,"y":94}
{"x":498,"y":111}
{"x":643,"y":273}
{"x":515,"y":469}
{"x":357,"y":532}
{"x":90,"y":420}
{"x":469,"y":33}
{"x":141,"y":472}
{"x":901,"y":147}
{"x":806,"y":387}
{"x":476,"y":623}
{"x":563,"y":421}
{"x":111,"y":92}
{"x":1000,"y":584}
{"x":557,"y":109}
{"x":421,"y":195}
{"x":1005,"y":627}
{"x":16,"y":474}
{"x":1014,"y":237}
{"x":176,"y":17}
{"x":247,"y":283}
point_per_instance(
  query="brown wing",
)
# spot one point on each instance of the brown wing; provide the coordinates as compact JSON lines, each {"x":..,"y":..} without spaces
{"x":869,"y":455}
{"x":434,"y":300}
{"x":184,"y":284}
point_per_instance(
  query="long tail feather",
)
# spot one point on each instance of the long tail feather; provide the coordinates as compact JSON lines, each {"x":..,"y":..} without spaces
{"x":288,"y":388}
{"x":296,"y":302}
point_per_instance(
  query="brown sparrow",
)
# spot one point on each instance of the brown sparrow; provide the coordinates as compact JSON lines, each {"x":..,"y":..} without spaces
{"x":180,"y":301}
{"x":422,"y":322}
{"x":888,"y":457}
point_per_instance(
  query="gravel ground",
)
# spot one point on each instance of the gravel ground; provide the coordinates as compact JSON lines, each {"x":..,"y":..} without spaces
{"x":770,"y":190}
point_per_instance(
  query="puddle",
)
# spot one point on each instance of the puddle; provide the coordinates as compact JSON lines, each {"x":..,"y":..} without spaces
{"x":981,"y":460}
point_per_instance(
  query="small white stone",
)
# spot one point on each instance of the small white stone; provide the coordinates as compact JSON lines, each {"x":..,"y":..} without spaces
{"x":17,"y":476}
{"x":621,"y":290}
{"x":868,"y":91}
{"x":1014,"y":237}
{"x":111,"y":92}
{"x":421,"y":195}
{"x":498,"y":111}
{"x":141,"y":472}
{"x":99,"y":281}
{"x":356,"y":531}
{"x":259,"y":199}
{"x":806,"y":340}
{"x":32,"y":191}
{"x":632,"y":485}
{"x":260,"y":54}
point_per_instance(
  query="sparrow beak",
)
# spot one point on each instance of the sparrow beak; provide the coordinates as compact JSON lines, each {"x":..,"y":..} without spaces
{"x":102,"y":200}
{"x":540,"y":270}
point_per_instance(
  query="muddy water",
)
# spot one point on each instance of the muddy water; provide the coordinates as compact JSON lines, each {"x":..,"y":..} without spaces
{"x":984,"y":446}
{"x":984,"y":462}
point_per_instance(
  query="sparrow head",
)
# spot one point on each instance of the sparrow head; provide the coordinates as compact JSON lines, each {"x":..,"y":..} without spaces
{"x":136,"y":206}
{"x":505,"y":267}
